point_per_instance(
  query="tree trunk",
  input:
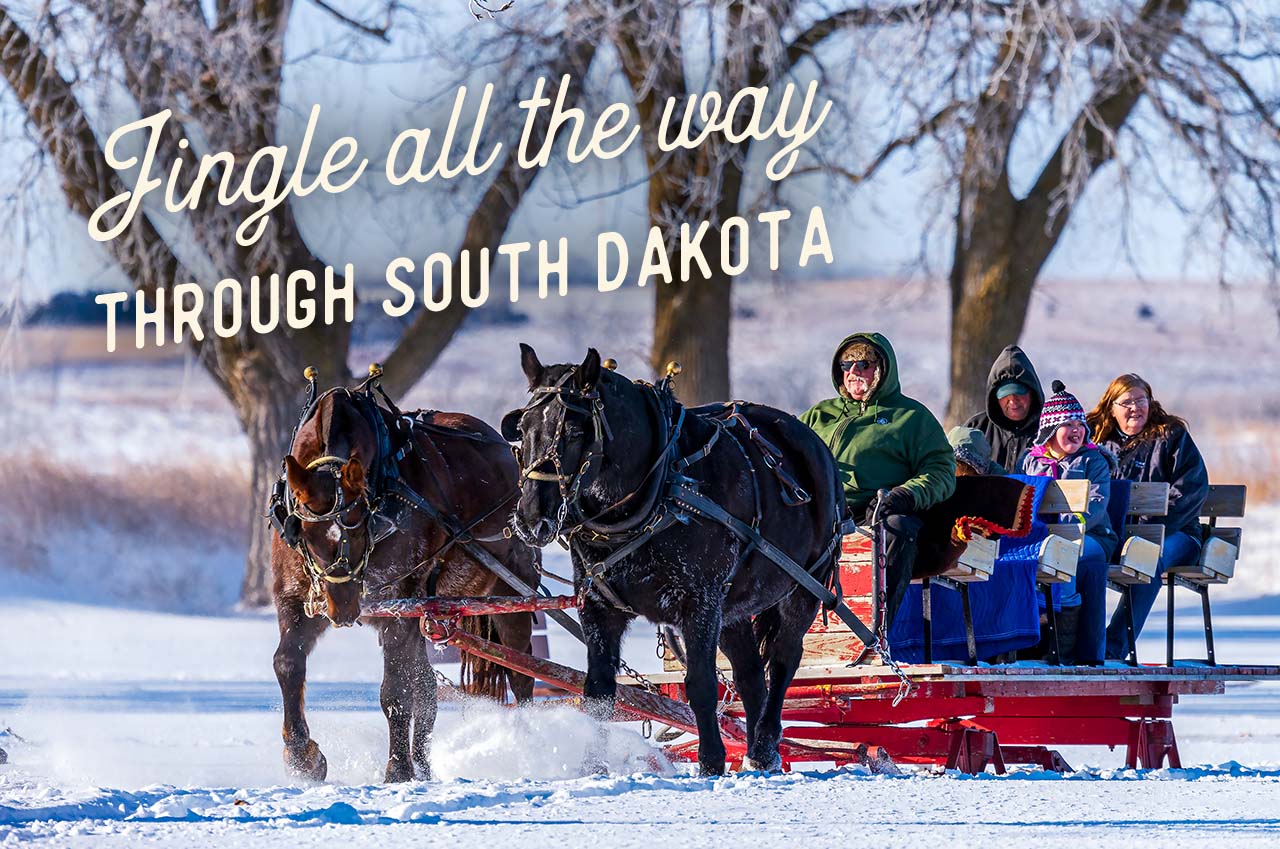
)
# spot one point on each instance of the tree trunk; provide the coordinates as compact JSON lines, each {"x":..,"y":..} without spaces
{"x":988,"y":314}
{"x":691,"y":320}
{"x":691,"y":326}
{"x":268,"y":406}
{"x":990,"y":290}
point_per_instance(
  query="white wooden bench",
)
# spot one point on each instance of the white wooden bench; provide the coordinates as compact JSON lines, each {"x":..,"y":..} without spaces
{"x":1216,"y":563}
{"x":976,"y":564}
{"x":1140,"y":544}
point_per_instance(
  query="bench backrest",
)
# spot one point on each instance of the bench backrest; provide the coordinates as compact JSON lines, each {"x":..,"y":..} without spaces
{"x":1065,"y":497}
{"x":1145,"y":499}
{"x":1225,"y":500}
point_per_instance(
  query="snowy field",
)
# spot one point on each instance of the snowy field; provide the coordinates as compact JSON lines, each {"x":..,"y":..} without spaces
{"x":138,"y":707}
{"x":129,"y":728}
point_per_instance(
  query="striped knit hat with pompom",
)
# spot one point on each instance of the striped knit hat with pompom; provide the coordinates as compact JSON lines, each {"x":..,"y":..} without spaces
{"x":1059,"y":408}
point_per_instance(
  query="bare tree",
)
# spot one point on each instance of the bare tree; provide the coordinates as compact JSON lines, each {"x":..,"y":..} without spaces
{"x":222,"y":78}
{"x":1017,"y":105}
{"x":1022,"y":104}
{"x":738,"y":45}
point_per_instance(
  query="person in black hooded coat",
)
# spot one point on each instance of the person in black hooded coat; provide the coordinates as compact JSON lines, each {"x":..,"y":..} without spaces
{"x":1012,"y":388}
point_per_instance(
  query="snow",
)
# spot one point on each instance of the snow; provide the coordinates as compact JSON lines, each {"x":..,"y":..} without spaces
{"x":140,"y":728}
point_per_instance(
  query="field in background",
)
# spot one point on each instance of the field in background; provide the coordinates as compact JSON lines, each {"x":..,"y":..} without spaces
{"x":124,"y":477}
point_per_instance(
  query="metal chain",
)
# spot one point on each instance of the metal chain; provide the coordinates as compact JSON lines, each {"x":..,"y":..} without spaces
{"x":644,"y":682}
{"x":444,"y":680}
{"x":882,"y":642}
{"x":904,"y":683}
{"x":730,"y":693}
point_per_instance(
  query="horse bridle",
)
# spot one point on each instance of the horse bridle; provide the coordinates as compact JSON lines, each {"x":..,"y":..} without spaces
{"x":333,"y":465}
{"x":570,"y":486}
{"x":287,"y":513}
{"x":660,"y":398}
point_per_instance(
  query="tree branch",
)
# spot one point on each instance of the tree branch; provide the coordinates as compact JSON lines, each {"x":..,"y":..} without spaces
{"x":87,"y":181}
{"x":807,"y":42}
{"x":380,"y":33}
{"x":928,"y":127}
{"x":430,"y":332}
{"x":1090,"y":141}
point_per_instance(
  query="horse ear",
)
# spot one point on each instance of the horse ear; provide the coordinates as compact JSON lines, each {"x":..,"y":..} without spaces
{"x":529,"y":362}
{"x":589,"y":372}
{"x":353,"y":479}
{"x":301,"y":482}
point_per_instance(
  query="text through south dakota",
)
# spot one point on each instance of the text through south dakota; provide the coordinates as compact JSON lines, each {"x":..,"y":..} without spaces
{"x":693,"y":252}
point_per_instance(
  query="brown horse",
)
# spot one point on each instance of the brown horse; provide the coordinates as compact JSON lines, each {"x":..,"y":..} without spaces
{"x":376,"y":504}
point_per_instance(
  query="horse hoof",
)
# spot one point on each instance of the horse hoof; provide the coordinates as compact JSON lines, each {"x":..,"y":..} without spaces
{"x":399,"y":772}
{"x":710,"y":770}
{"x":309,"y":764}
{"x":770,"y":765}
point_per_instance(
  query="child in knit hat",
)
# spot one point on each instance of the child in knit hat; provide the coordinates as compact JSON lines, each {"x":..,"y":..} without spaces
{"x":1062,"y":450}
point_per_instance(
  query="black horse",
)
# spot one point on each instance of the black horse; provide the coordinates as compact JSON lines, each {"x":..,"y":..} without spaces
{"x":611,"y":466}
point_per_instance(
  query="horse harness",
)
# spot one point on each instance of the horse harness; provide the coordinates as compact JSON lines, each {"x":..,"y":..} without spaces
{"x":384,"y":512}
{"x":666,"y":495}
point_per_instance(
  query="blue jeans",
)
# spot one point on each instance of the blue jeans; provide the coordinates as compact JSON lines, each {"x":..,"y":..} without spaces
{"x":1179,"y":549}
{"x":1088,"y":590}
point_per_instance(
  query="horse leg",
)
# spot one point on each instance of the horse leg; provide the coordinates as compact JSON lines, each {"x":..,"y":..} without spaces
{"x":701,"y":632}
{"x":515,"y":631}
{"x":783,"y":646}
{"x":400,"y":653}
{"x":603,"y":628}
{"x":298,"y":635}
{"x":424,"y":709}
{"x":739,"y":644}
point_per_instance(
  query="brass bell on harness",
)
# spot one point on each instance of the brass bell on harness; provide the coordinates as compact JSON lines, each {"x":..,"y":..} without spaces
{"x":375,"y":369}
{"x":674,"y":368}
{"x":611,"y":364}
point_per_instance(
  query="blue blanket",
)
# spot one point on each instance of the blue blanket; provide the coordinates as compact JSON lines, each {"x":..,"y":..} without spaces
{"x":1006,"y":611}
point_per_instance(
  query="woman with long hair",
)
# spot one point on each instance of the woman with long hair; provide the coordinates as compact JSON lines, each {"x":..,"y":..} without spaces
{"x":1152,"y":445}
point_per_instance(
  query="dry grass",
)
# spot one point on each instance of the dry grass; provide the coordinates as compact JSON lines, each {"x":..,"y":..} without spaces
{"x":1247,"y":454}
{"x":200,"y":504}
{"x":48,"y":347}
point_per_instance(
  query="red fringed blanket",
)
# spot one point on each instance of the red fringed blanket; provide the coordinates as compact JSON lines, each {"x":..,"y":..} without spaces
{"x":982,"y":505}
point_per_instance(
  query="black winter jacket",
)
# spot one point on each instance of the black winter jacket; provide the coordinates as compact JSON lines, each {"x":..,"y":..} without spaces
{"x":1174,"y":460}
{"x":1010,"y":440}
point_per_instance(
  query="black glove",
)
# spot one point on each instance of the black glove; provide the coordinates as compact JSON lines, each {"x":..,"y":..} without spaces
{"x":898,"y":501}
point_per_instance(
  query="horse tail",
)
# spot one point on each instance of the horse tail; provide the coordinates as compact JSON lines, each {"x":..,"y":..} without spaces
{"x":767,"y":625}
{"x":481,"y":676}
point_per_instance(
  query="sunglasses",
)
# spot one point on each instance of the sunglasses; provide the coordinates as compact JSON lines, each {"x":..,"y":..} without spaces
{"x":847,"y":366}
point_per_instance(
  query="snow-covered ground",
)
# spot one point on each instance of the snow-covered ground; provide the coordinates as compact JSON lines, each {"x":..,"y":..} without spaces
{"x":137,"y":708}
{"x":129,"y":728}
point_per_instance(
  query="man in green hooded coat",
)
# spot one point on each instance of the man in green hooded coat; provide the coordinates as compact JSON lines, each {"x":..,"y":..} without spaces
{"x":882,"y":439}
